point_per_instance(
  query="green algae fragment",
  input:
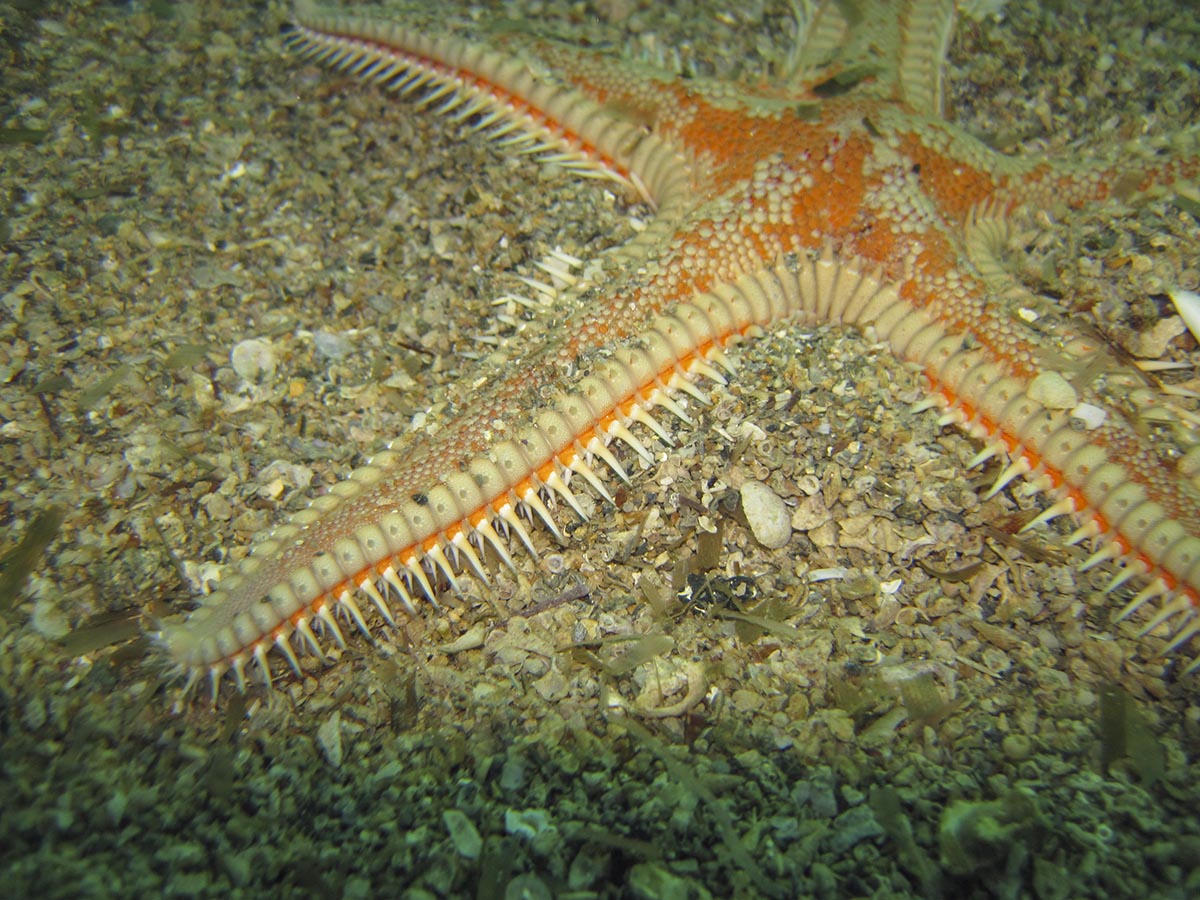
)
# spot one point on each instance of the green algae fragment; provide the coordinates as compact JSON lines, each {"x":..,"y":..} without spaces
{"x":1124,"y":734}
{"x":885,"y":803}
{"x":220,"y":776}
{"x":1113,"y":709}
{"x":710,"y":547}
{"x":101,"y":125}
{"x":652,"y":881}
{"x":975,"y":836}
{"x":923,"y":701}
{"x":185,"y":356}
{"x":51,"y":384}
{"x":23,"y":135}
{"x":527,"y":887}
{"x":16,"y":565}
{"x":631,"y":847}
{"x":750,"y":628}
{"x":102,"y":631}
{"x":1050,"y":880}
{"x":721,"y":816}
{"x":97,"y":391}
{"x":646,"y":648}
{"x":843,"y":81}
{"x":860,"y":696}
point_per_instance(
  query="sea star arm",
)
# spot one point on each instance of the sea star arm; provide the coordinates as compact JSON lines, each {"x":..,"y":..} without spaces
{"x":860,"y":210}
{"x":1128,"y":482}
{"x":898,"y":45}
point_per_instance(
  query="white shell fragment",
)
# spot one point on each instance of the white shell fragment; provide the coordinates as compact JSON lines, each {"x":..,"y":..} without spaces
{"x":332,"y":344}
{"x":1088,"y":416}
{"x":253,"y":359}
{"x":1188,"y":305}
{"x":767,"y":514}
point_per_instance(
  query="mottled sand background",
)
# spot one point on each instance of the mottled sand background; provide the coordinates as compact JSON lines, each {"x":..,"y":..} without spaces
{"x":175,"y":189}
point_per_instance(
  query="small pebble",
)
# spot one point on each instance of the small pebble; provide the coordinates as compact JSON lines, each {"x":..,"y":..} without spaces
{"x":653,"y":881}
{"x":1153,"y":342}
{"x":526,"y":823}
{"x":463,"y":833}
{"x":1017,"y":747}
{"x":332,"y":345}
{"x":253,"y":359}
{"x":767,"y":514}
{"x":527,"y":887}
{"x":329,"y":737}
{"x":852,"y":827}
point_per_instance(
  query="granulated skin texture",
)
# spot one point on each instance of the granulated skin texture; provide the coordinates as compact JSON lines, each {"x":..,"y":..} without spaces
{"x":771,"y":205}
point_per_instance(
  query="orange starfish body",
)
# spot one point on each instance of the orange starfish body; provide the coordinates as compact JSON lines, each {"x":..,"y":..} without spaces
{"x":864,"y":208}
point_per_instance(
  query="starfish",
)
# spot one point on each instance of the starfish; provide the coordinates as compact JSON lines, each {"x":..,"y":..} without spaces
{"x":839,"y":194}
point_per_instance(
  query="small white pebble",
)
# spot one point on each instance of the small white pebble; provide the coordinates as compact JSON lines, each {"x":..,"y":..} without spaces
{"x":833,"y":574}
{"x":332,"y":345}
{"x":329,"y":737}
{"x":253,"y":359}
{"x":470,"y":640}
{"x":749,"y":431}
{"x":767,"y":514}
{"x":1154,"y":341}
{"x":48,"y":618}
{"x":526,"y":823}
{"x":1088,"y":416}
